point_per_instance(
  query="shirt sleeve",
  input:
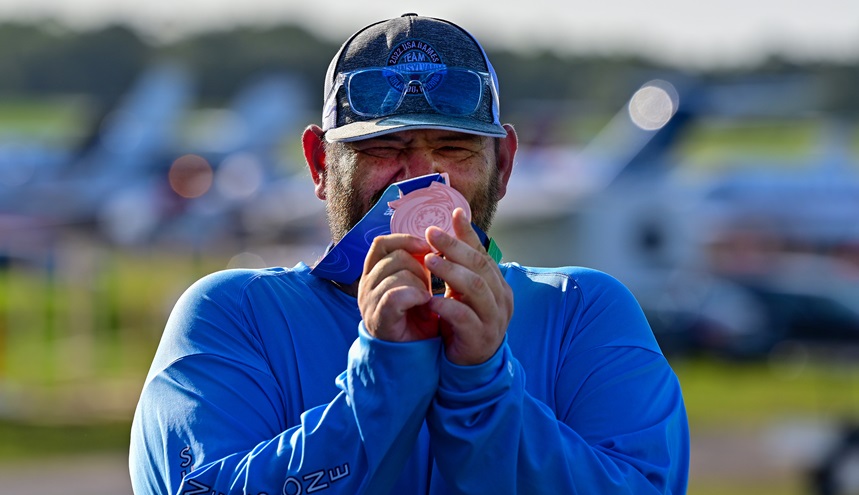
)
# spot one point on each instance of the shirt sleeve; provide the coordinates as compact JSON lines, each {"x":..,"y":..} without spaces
{"x":618,"y":424}
{"x":213,"y":420}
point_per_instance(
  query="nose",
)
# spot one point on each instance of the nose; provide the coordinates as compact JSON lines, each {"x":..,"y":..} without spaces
{"x":421,"y":161}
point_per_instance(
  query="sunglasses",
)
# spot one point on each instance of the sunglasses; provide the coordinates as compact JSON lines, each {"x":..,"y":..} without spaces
{"x":378,"y":91}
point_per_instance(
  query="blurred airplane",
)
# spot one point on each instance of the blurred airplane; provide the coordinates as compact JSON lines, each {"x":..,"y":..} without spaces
{"x":154,"y":170}
{"x":717,"y":261}
{"x":120,"y":153}
{"x":231,"y":162}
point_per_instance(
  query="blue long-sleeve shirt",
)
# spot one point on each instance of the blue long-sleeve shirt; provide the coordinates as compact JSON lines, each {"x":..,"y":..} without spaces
{"x":248,"y":394}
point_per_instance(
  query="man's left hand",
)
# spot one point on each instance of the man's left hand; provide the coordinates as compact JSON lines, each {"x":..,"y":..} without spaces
{"x":478,"y":302}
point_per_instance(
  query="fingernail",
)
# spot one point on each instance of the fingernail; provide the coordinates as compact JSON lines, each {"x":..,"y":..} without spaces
{"x":431,"y":260}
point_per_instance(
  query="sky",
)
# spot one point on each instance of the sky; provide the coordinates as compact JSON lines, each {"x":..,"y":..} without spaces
{"x":680,"y":32}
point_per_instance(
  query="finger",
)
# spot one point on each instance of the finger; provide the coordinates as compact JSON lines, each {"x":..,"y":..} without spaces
{"x":384,"y":245}
{"x":468,"y":284}
{"x":384,"y":305}
{"x":455,"y":313}
{"x":464,"y":231}
{"x":463,"y":347}
{"x":392,"y":277}
{"x":396,"y":300}
{"x":462,"y":253}
{"x":394,"y":262}
{"x":391,"y":253}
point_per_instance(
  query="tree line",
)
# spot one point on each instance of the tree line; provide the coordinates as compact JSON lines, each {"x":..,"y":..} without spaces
{"x":47,"y":59}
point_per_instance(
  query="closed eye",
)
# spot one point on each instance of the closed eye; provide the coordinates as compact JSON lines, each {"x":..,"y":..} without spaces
{"x":381,"y":151}
{"x":455,"y":152}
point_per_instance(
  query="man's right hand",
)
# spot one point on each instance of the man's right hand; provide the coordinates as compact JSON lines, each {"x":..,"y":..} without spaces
{"x":394,"y":291}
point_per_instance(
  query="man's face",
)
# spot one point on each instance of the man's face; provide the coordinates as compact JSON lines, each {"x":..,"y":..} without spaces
{"x":359,"y":172}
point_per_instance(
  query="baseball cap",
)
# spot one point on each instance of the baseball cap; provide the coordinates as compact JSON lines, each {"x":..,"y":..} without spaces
{"x":410,"y":72}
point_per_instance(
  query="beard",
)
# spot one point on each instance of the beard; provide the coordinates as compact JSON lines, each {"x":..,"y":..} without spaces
{"x":485,"y":203}
{"x":343,"y":191}
{"x":343,"y":205}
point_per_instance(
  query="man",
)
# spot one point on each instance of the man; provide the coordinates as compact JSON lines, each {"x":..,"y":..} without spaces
{"x":509,"y":379}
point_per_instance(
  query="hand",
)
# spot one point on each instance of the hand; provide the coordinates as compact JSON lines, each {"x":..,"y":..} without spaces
{"x":478,"y":302}
{"x":394,"y":290}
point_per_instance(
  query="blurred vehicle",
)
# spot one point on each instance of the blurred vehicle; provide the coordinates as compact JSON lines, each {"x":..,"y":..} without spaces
{"x":838,"y":472}
{"x":748,"y":319}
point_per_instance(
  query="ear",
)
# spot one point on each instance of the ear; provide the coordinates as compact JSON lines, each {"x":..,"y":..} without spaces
{"x":507,"y":147}
{"x":313,"y":144}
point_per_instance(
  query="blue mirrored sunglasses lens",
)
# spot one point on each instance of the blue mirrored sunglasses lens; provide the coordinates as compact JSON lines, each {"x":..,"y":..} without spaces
{"x":380,"y":91}
{"x":375,"y":92}
{"x":456,"y":93}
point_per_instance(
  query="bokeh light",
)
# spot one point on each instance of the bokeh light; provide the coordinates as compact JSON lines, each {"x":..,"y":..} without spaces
{"x":191,"y":176}
{"x":653,"y":105}
{"x":239,"y":176}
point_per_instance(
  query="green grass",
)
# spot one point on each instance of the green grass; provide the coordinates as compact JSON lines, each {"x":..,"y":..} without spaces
{"x":785,"y":140}
{"x":109,"y":315}
{"x":55,"y":120}
{"x":722,"y":393}
{"x":22,"y":440}
{"x":89,"y":329}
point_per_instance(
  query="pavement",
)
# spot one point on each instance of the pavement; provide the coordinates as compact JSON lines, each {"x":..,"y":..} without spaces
{"x":80,"y":475}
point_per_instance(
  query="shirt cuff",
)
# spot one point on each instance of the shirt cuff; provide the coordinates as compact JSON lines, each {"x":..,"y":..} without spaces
{"x":415,"y":361}
{"x":466,"y":385}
